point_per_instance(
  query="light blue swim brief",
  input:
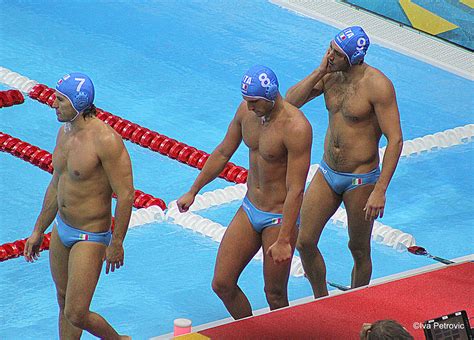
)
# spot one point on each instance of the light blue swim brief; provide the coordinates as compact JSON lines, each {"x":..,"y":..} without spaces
{"x":69,"y":235}
{"x":341,"y":182}
{"x":262,"y":219}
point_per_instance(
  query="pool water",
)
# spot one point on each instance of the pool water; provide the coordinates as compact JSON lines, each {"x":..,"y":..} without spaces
{"x":175,"y":67}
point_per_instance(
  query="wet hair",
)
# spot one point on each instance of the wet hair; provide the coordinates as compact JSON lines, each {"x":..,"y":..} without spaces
{"x":91,"y":111}
{"x":388,"y":330}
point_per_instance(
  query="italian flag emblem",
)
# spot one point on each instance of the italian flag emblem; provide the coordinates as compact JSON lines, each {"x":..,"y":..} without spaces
{"x":276,"y":220}
{"x":356,"y":181}
{"x":84,"y":237}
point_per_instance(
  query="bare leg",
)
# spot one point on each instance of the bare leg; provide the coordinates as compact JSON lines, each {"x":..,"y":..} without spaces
{"x":59,"y":259}
{"x":360,"y":231}
{"x":319,"y":204}
{"x":239,"y":244}
{"x":85,"y":264}
{"x":276,"y":275}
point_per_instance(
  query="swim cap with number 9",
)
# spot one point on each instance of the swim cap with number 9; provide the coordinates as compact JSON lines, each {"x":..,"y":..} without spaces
{"x":354,"y":42}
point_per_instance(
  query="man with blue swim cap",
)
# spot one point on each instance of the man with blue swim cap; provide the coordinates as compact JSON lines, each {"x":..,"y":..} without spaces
{"x":354,"y":43}
{"x":260,"y":82}
{"x":90,"y":164}
{"x":362,"y":107}
{"x":279,"y":137}
{"x":78,"y":89}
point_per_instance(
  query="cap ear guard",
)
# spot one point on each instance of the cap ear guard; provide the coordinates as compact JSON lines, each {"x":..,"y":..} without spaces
{"x":81,"y":101}
{"x":357,"y":57}
{"x":271,"y":91}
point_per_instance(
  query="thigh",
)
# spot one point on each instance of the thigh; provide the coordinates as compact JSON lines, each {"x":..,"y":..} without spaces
{"x":320,"y":202}
{"x":85,"y":264}
{"x":58,"y":260}
{"x":275,"y":274}
{"x":359,"y":229}
{"x":238,"y":246}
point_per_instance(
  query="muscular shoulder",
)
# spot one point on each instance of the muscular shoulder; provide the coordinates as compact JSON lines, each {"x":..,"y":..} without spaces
{"x":381,"y":88}
{"x":297,"y":124}
{"x":242,"y":111}
{"x":108,"y":142}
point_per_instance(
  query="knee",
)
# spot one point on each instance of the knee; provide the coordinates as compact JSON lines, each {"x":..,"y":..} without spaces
{"x":61,"y":297}
{"x":223,"y":287}
{"x":275,"y":295}
{"x":359,"y":252}
{"x":75,"y":316}
{"x":305,"y":245}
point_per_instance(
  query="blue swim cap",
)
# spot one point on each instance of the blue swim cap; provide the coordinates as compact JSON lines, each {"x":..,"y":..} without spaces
{"x":78,"y":88}
{"x":260,"y":82}
{"x":354,"y":42}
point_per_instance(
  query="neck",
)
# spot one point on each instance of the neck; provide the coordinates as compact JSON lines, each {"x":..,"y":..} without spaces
{"x":352,"y":70}
{"x":273,"y":113}
{"x":75,"y":125}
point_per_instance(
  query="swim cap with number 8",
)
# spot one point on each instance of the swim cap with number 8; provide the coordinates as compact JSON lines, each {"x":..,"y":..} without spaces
{"x":260,"y":82}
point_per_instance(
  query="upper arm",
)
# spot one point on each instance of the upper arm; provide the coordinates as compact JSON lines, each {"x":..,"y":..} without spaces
{"x":233,"y":136}
{"x":116,"y":162}
{"x":386,"y":108}
{"x":55,"y":179}
{"x":298,"y":140}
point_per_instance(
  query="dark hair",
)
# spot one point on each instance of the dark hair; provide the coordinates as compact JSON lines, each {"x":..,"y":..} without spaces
{"x":388,"y":330}
{"x":91,"y":111}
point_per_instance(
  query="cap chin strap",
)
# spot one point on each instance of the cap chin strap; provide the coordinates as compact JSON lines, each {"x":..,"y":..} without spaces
{"x":73,"y":119}
{"x":68,"y":125}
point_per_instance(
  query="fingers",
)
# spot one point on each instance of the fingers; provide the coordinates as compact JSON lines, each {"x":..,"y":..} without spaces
{"x":112,"y":265}
{"x":367,"y":213}
{"x":371,"y":213}
{"x":30,"y":253}
{"x":36,"y":255}
{"x":182,"y":207}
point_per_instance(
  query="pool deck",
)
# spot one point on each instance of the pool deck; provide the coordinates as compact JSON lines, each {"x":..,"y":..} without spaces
{"x":384,"y":32}
{"x":391,"y":279}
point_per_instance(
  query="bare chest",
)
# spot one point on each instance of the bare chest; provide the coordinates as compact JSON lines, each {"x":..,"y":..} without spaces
{"x":349,"y":100}
{"x":76,"y":159}
{"x":265,"y":139}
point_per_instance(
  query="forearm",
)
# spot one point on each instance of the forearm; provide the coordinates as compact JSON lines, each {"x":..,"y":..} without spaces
{"x":291,"y":211}
{"x":48,"y":210}
{"x":123,"y":211}
{"x":389,"y":163}
{"x":213,"y":167}
{"x":299,"y":94}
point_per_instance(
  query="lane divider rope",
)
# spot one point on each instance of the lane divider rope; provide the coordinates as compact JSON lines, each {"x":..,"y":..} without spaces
{"x":10,"y":98}
{"x":130,"y":131}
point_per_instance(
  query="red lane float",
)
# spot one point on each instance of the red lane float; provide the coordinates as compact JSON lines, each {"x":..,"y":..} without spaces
{"x":151,"y":139}
{"x":10,"y":98}
{"x":15,"y":249}
{"x":43,"y":159}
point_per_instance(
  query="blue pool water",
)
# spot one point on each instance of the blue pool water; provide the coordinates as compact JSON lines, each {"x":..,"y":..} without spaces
{"x":175,"y":67}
